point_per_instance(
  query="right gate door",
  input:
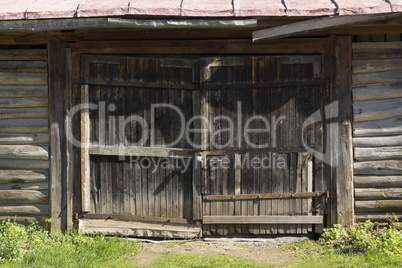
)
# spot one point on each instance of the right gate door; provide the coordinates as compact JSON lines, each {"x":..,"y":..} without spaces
{"x":259,"y":170}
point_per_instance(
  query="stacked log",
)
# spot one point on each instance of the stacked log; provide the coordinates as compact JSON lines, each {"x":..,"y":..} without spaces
{"x":24,"y":135}
{"x":377,"y":129}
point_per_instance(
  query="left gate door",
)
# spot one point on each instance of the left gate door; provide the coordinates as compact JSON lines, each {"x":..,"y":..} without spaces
{"x":136,"y":161}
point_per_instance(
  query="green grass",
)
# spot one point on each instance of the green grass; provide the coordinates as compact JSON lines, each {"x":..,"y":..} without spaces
{"x":194,"y":260}
{"x":314,"y":254}
{"x":33,"y":247}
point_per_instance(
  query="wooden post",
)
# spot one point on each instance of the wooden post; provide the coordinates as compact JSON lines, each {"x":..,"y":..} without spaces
{"x":85,"y":164}
{"x":343,"y":173}
{"x":57,"y":89}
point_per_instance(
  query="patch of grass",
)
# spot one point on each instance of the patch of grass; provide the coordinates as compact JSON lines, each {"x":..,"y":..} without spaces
{"x":34,"y":247}
{"x":314,"y":254}
{"x":195,"y":260}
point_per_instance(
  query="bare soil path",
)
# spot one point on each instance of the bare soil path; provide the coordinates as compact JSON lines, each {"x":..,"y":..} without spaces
{"x":266,"y":252}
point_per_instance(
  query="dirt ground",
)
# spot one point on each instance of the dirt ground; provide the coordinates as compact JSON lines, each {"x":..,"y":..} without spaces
{"x":267,"y":252}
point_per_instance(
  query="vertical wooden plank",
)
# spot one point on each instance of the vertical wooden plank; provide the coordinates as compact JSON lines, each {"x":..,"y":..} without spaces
{"x":237,"y":166}
{"x":343,"y":94}
{"x":309,"y":186}
{"x":85,"y":161}
{"x":57,"y":86}
{"x":196,"y":182}
{"x":69,"y":145}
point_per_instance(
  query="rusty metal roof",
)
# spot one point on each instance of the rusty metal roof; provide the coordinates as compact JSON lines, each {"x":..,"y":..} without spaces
{"x":52,"y":9}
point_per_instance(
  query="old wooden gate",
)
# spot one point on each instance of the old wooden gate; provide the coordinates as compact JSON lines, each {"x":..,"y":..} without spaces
{"x":173,"y":143}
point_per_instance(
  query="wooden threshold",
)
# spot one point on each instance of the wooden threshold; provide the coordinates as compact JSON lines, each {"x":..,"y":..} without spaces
{"x":262,"y":220}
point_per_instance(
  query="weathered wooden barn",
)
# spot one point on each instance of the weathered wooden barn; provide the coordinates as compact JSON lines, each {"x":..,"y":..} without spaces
{"x":184,"y":118}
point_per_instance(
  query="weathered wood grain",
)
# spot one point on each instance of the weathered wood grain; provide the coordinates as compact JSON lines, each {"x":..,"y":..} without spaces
{"x":23,"y":54}
{"x":23,"y":176}
{"x":141,"y":151}
{"x":381,"y":167}
{"x":23,"y":103}
{"x":24,"y":152}
{"x":376,"y":45}
{"x":262,"y":219}
{"x":372,"y":66}
{"x":378,"y":193}
{"x":24,"y":138}
{"x":377,"y":77}
{"x":24,"y":164}
{"x":24,"y":210}
{"x":230,"y":46}
{"x":377,"y":109}
{"x":383,"y":127}
{"x":377,"y":181}
{"x":377,"y":91}
{"x":140,"y":229}
{"x":25,"y":126}
{"x":391,"y":206}
{"x":376,"y":217}
{"x":377,"y":53}
{"x":378,"y":153}
{"x":24,"y":186}
{"x":24,"y":113}
{"x":23,"y":91}
{"x":23,"y":79}
{"x":377,"y":141}
{"x":23,"y":66}
{"x":343,"y":94}
{"x":23,"y":197}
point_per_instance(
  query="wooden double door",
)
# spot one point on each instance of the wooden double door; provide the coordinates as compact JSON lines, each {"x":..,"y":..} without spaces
{"x":218,"y":142}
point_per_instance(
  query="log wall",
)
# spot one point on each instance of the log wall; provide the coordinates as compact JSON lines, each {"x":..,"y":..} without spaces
{"x":377,"y":130}
{"x":24,"y":135}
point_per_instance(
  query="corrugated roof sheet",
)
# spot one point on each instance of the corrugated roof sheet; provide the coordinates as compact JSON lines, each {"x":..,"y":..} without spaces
{"x":46,"y":9}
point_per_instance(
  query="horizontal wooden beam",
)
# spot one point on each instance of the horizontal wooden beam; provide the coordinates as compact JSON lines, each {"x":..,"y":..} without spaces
{"x":23,"y":197}
{"x":391,"y":206}
{"x":263,"y":196}
{"x":23,"y":79}
{"x":377,"y":77}
{"x":23,"y":54}
{"x":24,"y":210}
{"x":254,"y":151}
{"x":24,"y":152}
{"x":36,"y":112}
{"x":24,"y":186}
{"x":139,"y":84}
{"x":377,"y":181}
{"x":240,"y":86}
{"x":23,"y":92}
{"x":376,"y":216}
{"x":372,"y":66}
{"x":382,"y":127}
{"x":24,"y":138}
{"x":136,"y":218}
{"x":377,"y":141}
{"x":221,"y":46}
{"x":24,"y":164}
{"x":381,"y":167}
{"x":319,"y":24}
{"x":262,"y":220}
{"x":378,"y":193}
{"x":23,"y":176}
{"x":141,"y":151}
{"x":99,"y":23}
{"x":139,"y":229}
{"x":25,"y":126}
{"x":23,"y":66}
{"x":23,"y":103}
{"x":377,"y":54}
{"x":378,"y":153}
